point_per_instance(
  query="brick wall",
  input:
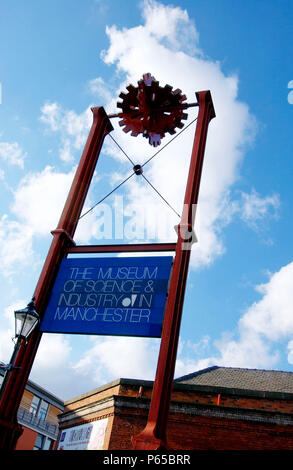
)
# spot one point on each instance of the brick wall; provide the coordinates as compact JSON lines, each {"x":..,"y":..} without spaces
{"x":199,"y":420}
{"x":126,"y":423}
{"x":204,"y":433}
{"x":223,"y":399}
{"x":91,"y":397}
{"x":211,"y":433}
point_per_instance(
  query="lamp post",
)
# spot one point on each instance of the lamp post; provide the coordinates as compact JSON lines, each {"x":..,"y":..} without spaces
{"x":26,"y":320}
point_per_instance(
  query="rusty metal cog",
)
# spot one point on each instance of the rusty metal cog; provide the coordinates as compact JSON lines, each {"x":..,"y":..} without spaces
{"x":151,"y":110}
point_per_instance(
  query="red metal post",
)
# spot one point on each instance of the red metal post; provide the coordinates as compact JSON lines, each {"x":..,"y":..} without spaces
{"x":62,"y":239}
{"x":154,"y":435}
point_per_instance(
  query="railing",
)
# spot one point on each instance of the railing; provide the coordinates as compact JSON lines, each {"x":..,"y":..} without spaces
{"x":27,"y":418}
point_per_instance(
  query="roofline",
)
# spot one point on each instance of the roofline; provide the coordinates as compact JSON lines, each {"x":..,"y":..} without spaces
{"x":199,"y":372}
{"x":208,"y":369}
{"x":72,"y":418}
{"x":112,"y":384}
{"x":33,"y":387}
{"x":187,"y":387}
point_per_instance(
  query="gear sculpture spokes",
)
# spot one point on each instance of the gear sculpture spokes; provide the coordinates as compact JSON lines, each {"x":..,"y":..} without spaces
{"x":152,"y":110}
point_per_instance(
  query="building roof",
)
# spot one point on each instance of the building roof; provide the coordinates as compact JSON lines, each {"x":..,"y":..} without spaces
{"x":241,"y":379}
{"x":231,"y":380}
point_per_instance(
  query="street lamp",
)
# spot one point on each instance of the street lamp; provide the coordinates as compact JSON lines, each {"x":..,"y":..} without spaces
{"x":26,"y":320}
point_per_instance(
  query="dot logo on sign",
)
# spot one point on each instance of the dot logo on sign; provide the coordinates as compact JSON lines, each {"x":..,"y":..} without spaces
{"x":290,"y":95}
{"x":127,"y":301}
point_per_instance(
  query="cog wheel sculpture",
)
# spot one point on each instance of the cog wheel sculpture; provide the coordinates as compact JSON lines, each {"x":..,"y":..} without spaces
{"x":151,"y":110}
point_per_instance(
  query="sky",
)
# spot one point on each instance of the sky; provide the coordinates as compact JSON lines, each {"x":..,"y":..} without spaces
{"x":59,"y":59}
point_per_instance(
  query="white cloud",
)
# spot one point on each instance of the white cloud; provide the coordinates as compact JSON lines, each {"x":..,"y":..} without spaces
{"x":15,"y":245}
{"x":65,"y":152}
{"x":114,"y":357}
{"x":272,"y":315}
{"x":171,"y":25}
{"x":52,"y":359}
{"x":12,"y":153}
{"x":147,"y":48}
{"x":37,"y":204}
{"x":72,"y":127}
{"x":255,"y":208}
{"x":250,"y":350}
{"x":52,"y":346}
{"x":39,"y":199}
{"x":51,"y":115}
{"x":256,"y":341}
{"x":100,"y":89}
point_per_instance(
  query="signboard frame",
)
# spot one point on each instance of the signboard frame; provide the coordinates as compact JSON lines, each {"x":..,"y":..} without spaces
{"x":113,"y":296}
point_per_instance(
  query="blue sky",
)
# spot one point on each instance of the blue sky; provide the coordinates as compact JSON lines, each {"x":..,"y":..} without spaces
{"x":57,"y":59}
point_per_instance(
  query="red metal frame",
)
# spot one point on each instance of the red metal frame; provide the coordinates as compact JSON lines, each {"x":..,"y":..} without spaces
{"x":154,"y":434}
{"x":62,"y":239}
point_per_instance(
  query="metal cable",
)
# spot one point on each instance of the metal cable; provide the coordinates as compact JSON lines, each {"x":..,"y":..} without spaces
{"x":107,"y":195}
{"x":160,"y":195}
{"x":123,"y":151}
{"x":145,"y":163}
{"x":173,"y":138}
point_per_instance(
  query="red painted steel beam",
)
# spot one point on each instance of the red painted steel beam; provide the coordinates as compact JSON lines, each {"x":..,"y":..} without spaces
{"x":154,"y":434}
{"x":138,"y":247}
{"x":62,"y":239}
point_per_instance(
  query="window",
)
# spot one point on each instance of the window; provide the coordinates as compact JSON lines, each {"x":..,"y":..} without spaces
{"x":40,"y":441}
{"x":43,"y":410}
{"x":39,"y":407}
{"x":35,"y":405}
{"x":48,"y":444}
{"x":43,"y":443}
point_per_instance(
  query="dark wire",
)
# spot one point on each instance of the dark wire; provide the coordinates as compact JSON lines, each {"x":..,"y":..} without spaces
{"x":107,"y":195}
{"x":124,"y":181}
{"x":160,"y":195}
{"x":121,"y":149}
{"x":162,"y":148}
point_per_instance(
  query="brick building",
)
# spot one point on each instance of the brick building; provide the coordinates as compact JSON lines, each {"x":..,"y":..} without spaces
{"x":215,"y":408}
{"x":37,"y":414}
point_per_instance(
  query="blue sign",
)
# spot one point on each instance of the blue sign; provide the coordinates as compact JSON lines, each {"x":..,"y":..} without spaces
{"x":109,"y":296}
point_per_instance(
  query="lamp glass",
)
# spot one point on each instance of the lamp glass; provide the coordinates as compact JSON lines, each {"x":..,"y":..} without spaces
{"x":25,"y":321}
